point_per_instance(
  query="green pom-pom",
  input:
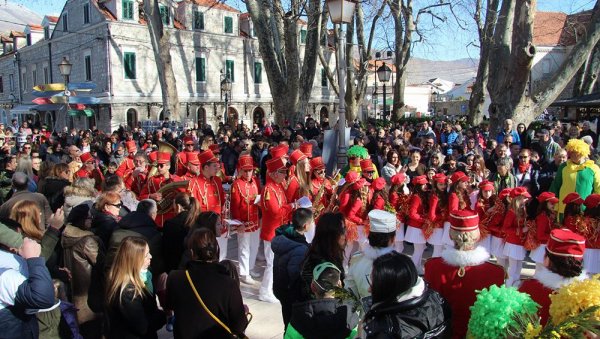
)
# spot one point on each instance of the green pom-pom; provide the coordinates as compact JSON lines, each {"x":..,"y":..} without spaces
{"x":496,"y":309}
{"x":358,"y":151}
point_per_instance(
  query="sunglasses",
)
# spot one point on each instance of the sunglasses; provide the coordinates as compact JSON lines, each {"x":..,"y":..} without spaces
{"x":369,"y":172}
{"x":119,"y":205}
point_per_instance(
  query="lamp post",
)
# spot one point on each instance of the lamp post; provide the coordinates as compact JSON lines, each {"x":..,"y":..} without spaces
{"x":65,"y":70}
{"x":383,"y":74}
{"x":341,"y":11}
{"x":225,"y":90}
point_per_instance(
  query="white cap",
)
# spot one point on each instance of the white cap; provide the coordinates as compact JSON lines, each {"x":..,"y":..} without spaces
{"x":382,"y":221}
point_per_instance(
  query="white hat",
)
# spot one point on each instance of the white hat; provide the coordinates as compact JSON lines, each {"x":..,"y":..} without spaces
{"x":382,"y":221}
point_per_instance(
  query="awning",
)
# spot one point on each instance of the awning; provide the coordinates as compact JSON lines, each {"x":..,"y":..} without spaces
{"x":590,"y":100}
{"x":49,"y":107}
{"x":22,"y":109}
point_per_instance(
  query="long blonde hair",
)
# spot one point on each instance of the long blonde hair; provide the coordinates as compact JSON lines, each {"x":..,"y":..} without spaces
{"x":304,"y":177}
{"x":126,"y":269}
{"x":28,"y":214}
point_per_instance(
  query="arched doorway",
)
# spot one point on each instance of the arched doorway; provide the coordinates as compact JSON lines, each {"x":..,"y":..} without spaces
{"x":258,"y":115}
{"x":132,"y":118}
{"x":161,"y":116}
{"x":201,"y":117}
{"x":324,"y":114}
{"x":232,"y":117}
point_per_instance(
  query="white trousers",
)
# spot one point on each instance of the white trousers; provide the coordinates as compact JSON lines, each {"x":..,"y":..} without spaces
{"x":247,"y":250}
{"x":266,"y":286}
{"x":222,"y":247}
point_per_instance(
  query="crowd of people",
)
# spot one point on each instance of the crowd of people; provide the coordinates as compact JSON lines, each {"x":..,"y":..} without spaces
{"x":120,"y":234}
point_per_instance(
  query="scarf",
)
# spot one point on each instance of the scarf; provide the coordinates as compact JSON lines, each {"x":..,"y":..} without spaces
{"x":523,"y":168}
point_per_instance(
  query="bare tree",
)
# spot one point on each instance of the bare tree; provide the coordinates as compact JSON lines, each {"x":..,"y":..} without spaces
{"x":587,"y":76}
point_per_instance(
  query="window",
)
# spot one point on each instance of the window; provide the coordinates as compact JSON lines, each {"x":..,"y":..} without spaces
{"x":198,"y":20}
{"x":46,"y":78}
{"x":86,"y":13}
{"x":228,"y":25}
{"x":127,"y":9}
{"x":65,"y":22}
{"x":164,"y":14}
{"x":257,"y":73}
{"x":28,"y":39}
{"x":47,"y":32}
{"x":229,"y":70}
{"x":200,"y":69}
{"x":11,"y":82}
{"x":303,"y":36}
{"x":1,"y":85}
{"x":34,"y":76}
{"x":24,"y":81}
{"x":129,"y":63}
{"x":88,"y":67}
{"x":323,"y":78}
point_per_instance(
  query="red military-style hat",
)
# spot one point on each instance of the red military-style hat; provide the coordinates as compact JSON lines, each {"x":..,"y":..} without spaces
{"x":440,"y":178}
{"x":459,"y":176}
{"x":592,"y":200}
{"x":366,"y":165}
{"x":153,"y":157}
{"x":520,"y":191}
{"x":419,"y":180}
{"x":307,"y":148}
{"x":192,"y":158}
{"x":566,"y":243}
{"x":351,"y":177}
{"x":547,"y":196}
{"x":505,"y":193}
{"x":215,"y":148}
{"x":163,"y":157}
{"x":399,"y":178}
{"x":206,"y":157}
{"x":362,"y":182}
{"x":573,"y":198}
{"x":486,"y":185}
{"x":188,"y":140}
{"x":279,"y":151}
{"x":378,"y":184}
{"x":274,"y":165}
{"x":317,"y":163}
{"x":296,"y":156}
{"x":245,"y":162}
{"x":131,"y":146}
{"x":86,"y":157}
{"x":464,"y":221}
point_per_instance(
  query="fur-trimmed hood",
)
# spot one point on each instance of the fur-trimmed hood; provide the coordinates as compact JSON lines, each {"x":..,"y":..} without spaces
{"x":458,"y":258}
{"x":375,"y":252}
{"x":79,"y":191}
{"x":555,"y":281}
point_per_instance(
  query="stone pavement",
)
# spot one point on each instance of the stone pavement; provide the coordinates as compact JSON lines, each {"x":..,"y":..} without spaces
{"x":267,"y":322}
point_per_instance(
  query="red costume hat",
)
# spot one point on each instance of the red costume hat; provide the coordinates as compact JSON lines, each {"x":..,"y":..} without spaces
{"x":317,"y":163}
{"x":366,"y":165}
{"x":566,"y":243}
{"x":296,"y":156}
{"x":206,"y":157}
{"x":547,"y":196}
{"x":245,"y":162}
{"x":419,"y":180}
{"x":274,"y":165}
{"x":440,"y":178}
{"x":188,"y":140}
{"x":278,"y":151}
{"x":163,"y":157}
{"x":378,"y":184}
{"x":520,"y":191}
{"x":86,"y":157}
{"x":464,"y":221}
{"x":486,"y":185}
{"x":307,"y":148}
{"x":360,"y":184}
{"x":505,"y":193}
{"x":399,"y":179}
{"x":574,"y":198}
{"x":153,"y":157}
{"x":215,"y":148}
{"x":351,"y":177}
{"x":459,"y":176}
{"x":192,"y":158}
{"x":592,"y":200}
{"x":131,"y":146}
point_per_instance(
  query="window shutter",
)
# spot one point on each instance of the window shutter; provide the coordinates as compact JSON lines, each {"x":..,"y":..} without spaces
{"x":198,"y":20}
{"x":228,"y":24}
{"x":200,"y":69}
{"x":164,"y":14}
{"x":302,"y":36}
{"x":323,"y":78}
{"x":257,"y":73}
{"x":129,"y":59}
{"x":127,"y":9}
{"x":229,"y":68}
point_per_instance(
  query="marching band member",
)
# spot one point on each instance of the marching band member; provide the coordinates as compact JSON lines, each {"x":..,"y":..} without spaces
{"x":354,"y":200}
{"x":192,"y":173}
{"x":368,"y":170}
{"x":128,"y":165}
{"x":458,"y":199}
{"x":544,"y":221}
{"x":90,"y":170}
{"x":244,"y":190}
{"x":154,"y":184}
{"x":418,"y":213}
{"x":591,"y":257}
{"x":226,"y":179}
{"x":321,"y":187}
{"x":485,"y":201}
{"x":378,"y":195}
{"x":572,"y":211}
{"x":135,"y":180}
{"x":495,"y":219}
{"x":438,"y":214}
{"x":399,"y":199}
{"x":514,"y":226}
{"x":307,"y":149}
{"x":276,"y":211}
{"x":298,"y":184}
{"x":188,"y":148}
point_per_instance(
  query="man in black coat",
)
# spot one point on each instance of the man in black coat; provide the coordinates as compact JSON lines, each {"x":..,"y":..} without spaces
{"x":290,"y":246}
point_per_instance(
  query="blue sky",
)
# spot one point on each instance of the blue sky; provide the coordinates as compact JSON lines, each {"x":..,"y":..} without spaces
{"x":447,"y":43}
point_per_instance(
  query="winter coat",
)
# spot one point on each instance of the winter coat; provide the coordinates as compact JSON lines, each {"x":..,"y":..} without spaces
{"x":53,"y":190}
{"x":76,"y":195}
{"x":103,"y":225}
{"x":174,"y":233}
{"x":322,"y":318}
{"x":360,"y":268}
{"x":290,"y":249}
{"x":388,"y":171}
{"x":83,"y":255}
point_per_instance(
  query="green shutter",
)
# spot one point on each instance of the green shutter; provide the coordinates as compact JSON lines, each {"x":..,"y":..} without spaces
{"x":127,"y":9}
{"x":230,"y":70}
{"x":323,"y":78}
{"x":200,"y":69}
{"x":228,"y":24}
{"x":88,"y":67}
{"x":164,"y":14}
{"x":198,"y":20}
{"x":302,"y":36}
{"x":257,"y":73}
{"x":129,"y":62}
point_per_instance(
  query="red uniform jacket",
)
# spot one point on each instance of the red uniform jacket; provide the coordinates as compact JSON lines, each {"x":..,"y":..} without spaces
{"x":276,"y":210}
{"x":437,"y":214}
{"x":352,"y":209}
{"x":458,"y":288}
{"x":96,"y":174}
{"x":543,"y":227}
{"x":210,"y":193}
{"x":416,"y":212}
{"x":126,"y":166}
{"x":514,"y":233}
{"x":453,"y":203}
{"x":401,"y":203}
{"x":495,"y":219}
{"x":243,"y":208}
{"x":152,"y":186}
{"x":316,"y":184}
{"x":292,"y":191}
{"x":137,"y":184}
{"x":541,"y":295}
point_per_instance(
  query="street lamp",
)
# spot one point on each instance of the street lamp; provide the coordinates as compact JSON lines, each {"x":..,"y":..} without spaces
{"x":65,"y":70}
{"x":341,"y":12}
{"x":383,"y":74}
{"x":225,"y":90}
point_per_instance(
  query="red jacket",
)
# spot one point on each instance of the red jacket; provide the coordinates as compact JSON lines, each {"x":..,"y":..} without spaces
{"x":210,"y":193}
{"x":437,"y":214}
{"x":401,"y":203}
{"x":513,"y":229}
{"x":243,"y":208}
{"x":354,"y":210}
{"x":126,"y":166}
{"x":453,"y":203}
{"x":543,"y":227}
{"x":152,"y":186}
{"x":416,"y":212}
{"x":541,"y":295}
{"x":276,"y":210}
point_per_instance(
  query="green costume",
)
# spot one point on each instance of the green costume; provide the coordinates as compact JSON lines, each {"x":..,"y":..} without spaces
{"x":570,"y":177}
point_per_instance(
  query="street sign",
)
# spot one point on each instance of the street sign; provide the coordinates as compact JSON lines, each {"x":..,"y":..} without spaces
{"x":49,"y":87}
{"x":43,"y":94}
{"x":74,"y":100}
{"x":86,"y":112}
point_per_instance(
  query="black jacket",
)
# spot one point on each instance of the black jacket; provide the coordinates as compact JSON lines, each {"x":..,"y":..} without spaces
{"x":324,"y":318}
{"x":134,"y":317}
{"x":103,"y":226}
{"x":427,"y":316}
{"x":174,"y":233}
{"x":53,"y":191}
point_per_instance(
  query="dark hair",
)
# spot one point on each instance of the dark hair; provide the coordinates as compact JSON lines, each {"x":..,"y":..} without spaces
{"x":203,"y":245}
{"x":543,"y":208}
{"x":568,"y":267}
{"x":393,"y":274}
{"x":572,"y":209}
{"x":208,"y":220}
{"x":325,"y":244}
{"x":300,"y":217}
{"x":328,"y":280}
{"x":146,"y":206}
{"x":190,"y":205}
{"x":593,"y":212}
{"x":390,"y":154}
{"x":380,"y":240}
{"x":111,"y":182}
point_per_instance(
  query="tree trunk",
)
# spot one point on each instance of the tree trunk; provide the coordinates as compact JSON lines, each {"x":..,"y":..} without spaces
{"x":402,"y":15}
{"x":161,"y":46}
{"x":592,"y":71}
